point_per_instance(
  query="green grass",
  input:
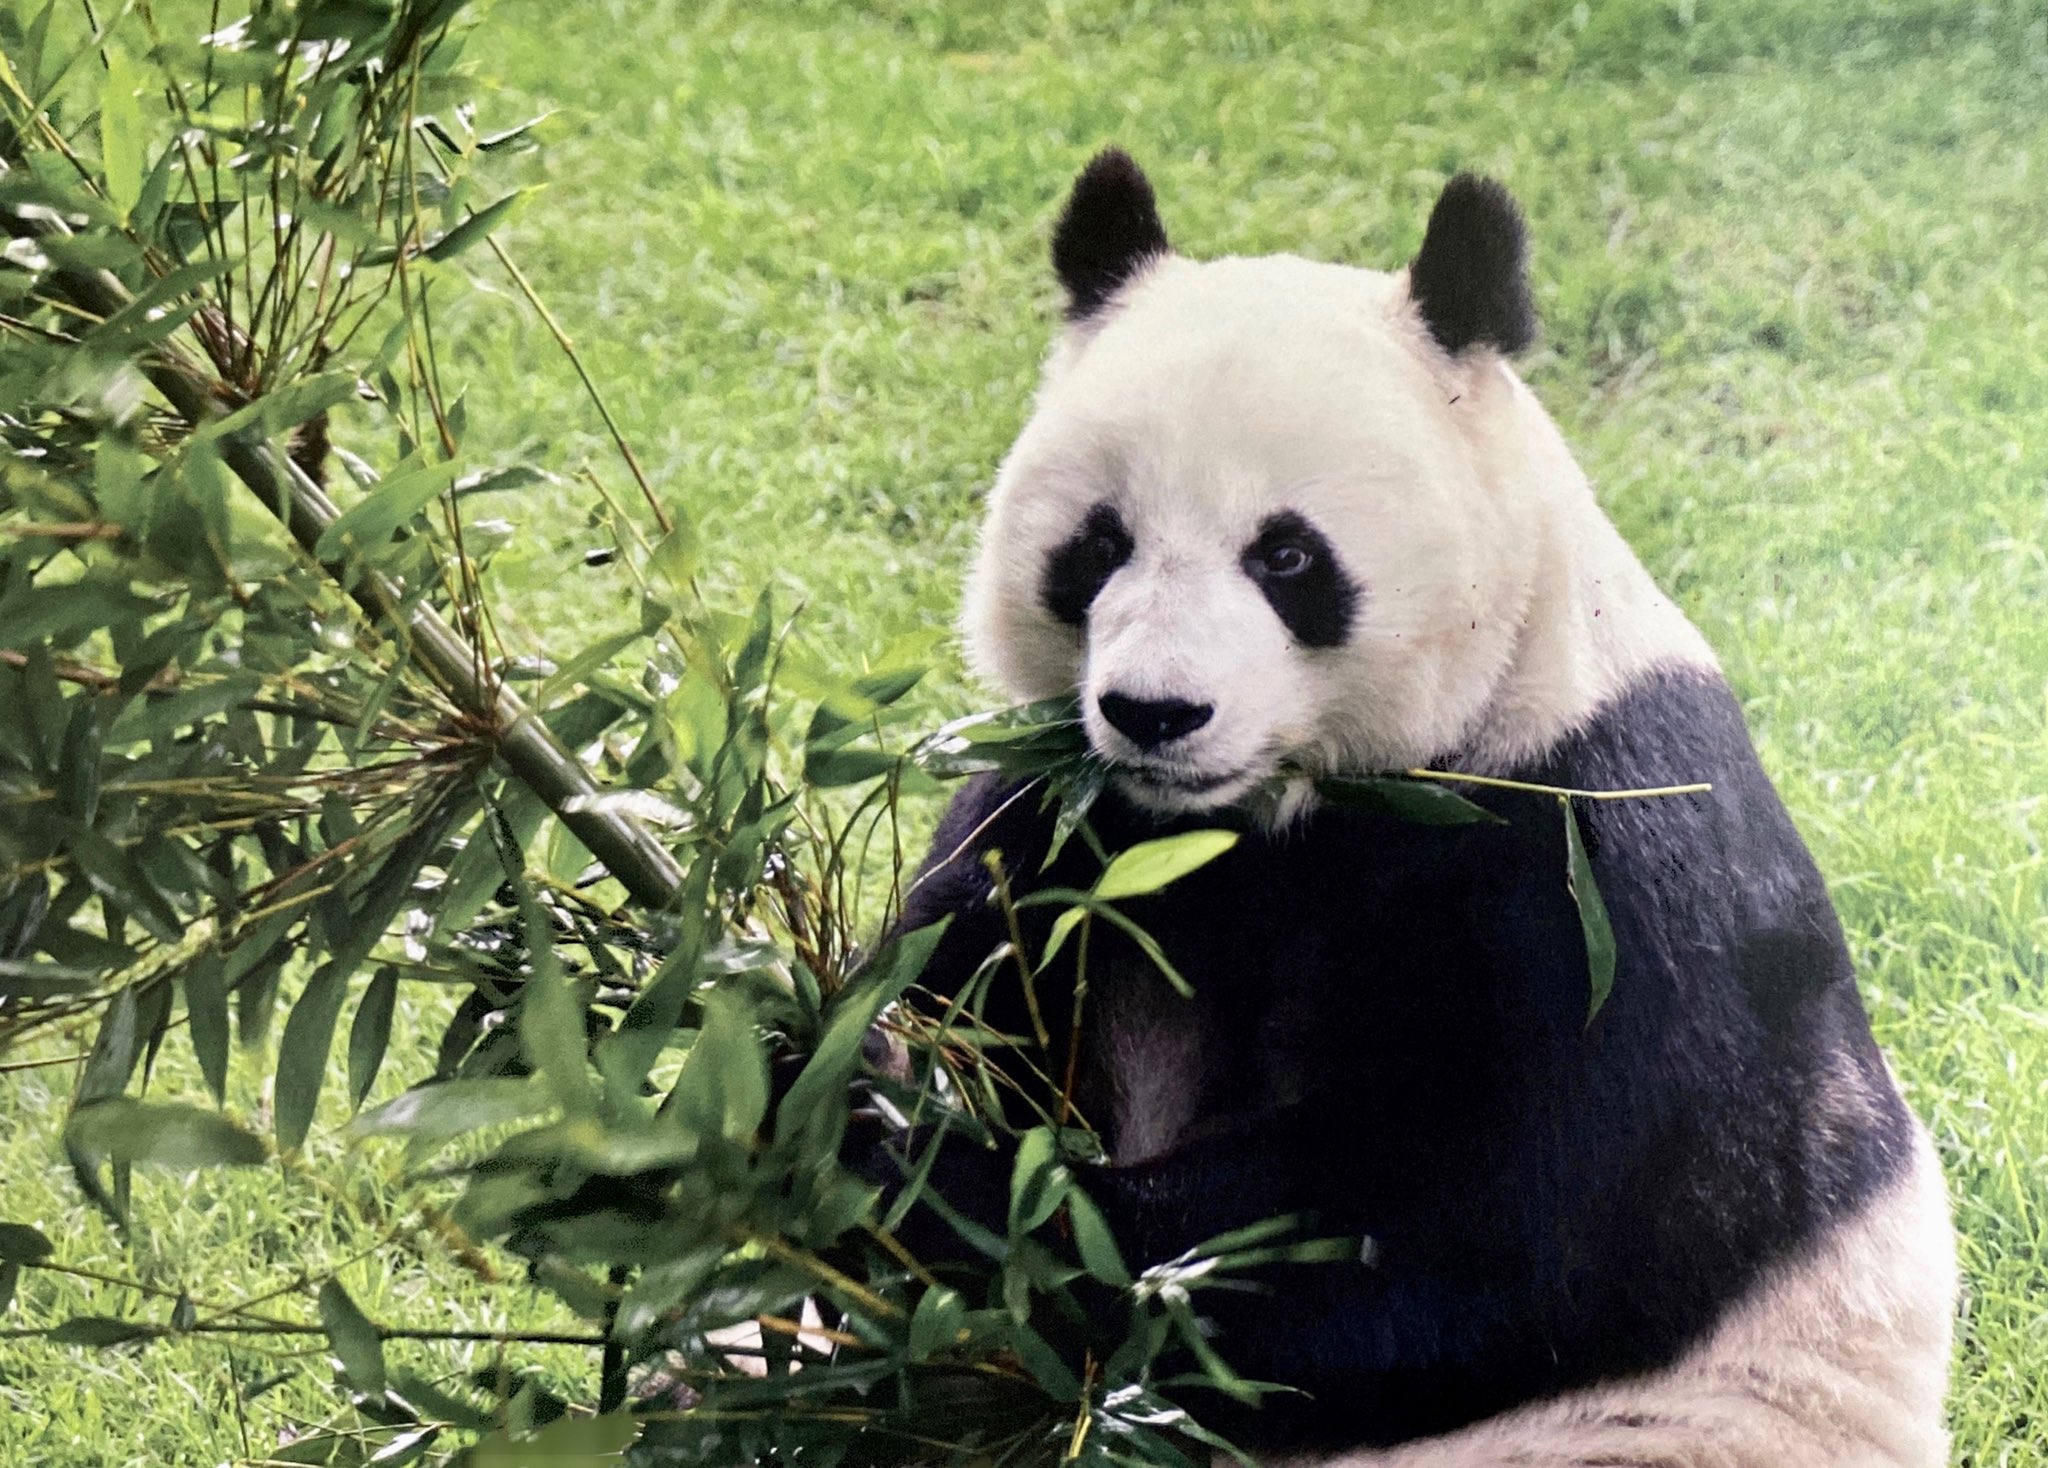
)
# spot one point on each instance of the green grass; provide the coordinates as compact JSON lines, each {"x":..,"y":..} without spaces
{"x":1789,"y":258}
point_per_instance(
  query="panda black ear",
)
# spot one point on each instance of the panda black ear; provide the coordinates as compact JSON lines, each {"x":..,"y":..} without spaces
{"x":1469,"y":280}
{"x":1108,"y":231}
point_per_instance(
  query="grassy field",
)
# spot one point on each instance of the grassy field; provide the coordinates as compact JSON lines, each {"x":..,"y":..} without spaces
{"x":1789,"y":259}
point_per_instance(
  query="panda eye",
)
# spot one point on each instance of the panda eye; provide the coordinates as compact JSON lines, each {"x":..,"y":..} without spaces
{"x":1279,"y":562}
{"x":1077,"y":571}
{"x":1105,"y":549}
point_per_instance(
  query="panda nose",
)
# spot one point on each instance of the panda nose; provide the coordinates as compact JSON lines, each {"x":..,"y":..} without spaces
{"x":1151,"y":722}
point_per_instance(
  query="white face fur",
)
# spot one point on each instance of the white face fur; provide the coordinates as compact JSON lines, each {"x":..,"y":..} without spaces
{"x":1296,"y":510}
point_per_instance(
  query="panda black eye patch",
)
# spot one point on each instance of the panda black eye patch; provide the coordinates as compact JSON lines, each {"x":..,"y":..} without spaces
{"x":1076,"y":573}
{"x":1298,"y":573}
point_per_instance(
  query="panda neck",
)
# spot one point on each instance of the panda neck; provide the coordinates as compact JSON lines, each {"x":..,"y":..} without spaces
{"x":1595,"y":625}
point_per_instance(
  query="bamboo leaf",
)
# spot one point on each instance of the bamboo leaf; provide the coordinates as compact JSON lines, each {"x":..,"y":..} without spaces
{"x":302,"y":1053}
{"x":370,"y":523}
{"x":431,"y":1114}
{"x":674,"y":557}
{"x":119,"y":878}
{"x":812,"y":1116}
{"x":370,"y":1035}
{"x":628,"y":1053}
{"x":114,"y":1051}
{"x":282,"y":408}
{"x":1421,"y":801}
{"x":63,"y":612}
{"x":937,"y":1324}
{"x":354,"y":1339}
{"x":476,"y":226}
{"x":1094,"y":1242}
{"x":20,"y":1244}
{"x":571,"y":1442}
{"x":724,"y":1084}
{"x":161,"y":1134}
{"x":121,"y":140}
{"x":206,"y":1014}
{"x":552,"y":1032}
{"x":100,"y":1331}
{"x":1151,"y":865}
{"x":1593,"y":921}
{"x":1039,"y":1180}
{"x":1076,"y":798}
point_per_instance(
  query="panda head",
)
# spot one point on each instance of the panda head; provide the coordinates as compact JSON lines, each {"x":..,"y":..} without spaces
{"x":1269,"y":513}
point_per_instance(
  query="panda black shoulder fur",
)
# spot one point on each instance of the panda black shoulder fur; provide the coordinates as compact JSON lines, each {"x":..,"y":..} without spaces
{"x":1270,"y":510}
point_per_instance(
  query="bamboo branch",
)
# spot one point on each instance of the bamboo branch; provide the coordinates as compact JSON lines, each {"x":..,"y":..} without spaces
{"x":534,"y":756}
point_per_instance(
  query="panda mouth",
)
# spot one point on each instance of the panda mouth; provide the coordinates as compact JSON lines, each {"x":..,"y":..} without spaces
{"x":1164,"y":781}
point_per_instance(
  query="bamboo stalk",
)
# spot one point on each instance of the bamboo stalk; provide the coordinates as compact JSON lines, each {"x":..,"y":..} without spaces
{"x":620,"y":843}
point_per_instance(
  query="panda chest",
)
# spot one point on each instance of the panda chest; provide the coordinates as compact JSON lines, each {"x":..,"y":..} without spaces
{"x":1159,"y":1068}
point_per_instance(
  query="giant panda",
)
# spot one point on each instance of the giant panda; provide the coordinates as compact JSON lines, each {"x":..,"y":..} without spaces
{"x":1272,"y":520}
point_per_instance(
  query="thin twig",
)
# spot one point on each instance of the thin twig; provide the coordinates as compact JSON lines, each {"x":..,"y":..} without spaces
{"x":1453,"y":777}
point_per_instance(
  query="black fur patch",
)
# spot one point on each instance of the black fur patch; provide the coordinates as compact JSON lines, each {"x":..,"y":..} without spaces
{"x":1076,"y":573}
{"x":1469,"y":280}
{"x":1393,"y":1038}
{"x":1313,"y":596}
{"x":1108,"y":231}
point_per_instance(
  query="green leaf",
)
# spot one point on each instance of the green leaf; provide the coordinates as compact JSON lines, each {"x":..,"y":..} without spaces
{"x":833,"y":769}
{"x":1039,"y":1180}
{"x":20,"y":1244}
{"x":552,"y":1032}
{"x":812,"y":1116}
{"x":1062,"y":928}
{"x":78,"y":763}
{"x":302,"y":1053}
{"x":144,"y":318}
{"x":370,"y":1034}
{"x":1151,"y":865}
{"x":937,"y":1324}
{"x":582,"y":664}
{"x":63,"y":612}
{"x":629,"y":1052}
{"x":27,"y":978}
{"x":845,"y":711}
{"x":569,"y":1442}
{"x":674,"y":557}
{"x":161,"y":1134}
{"x":1424,"y":802}
{"x":750,"y":663}
{"x":661,"y":1287}
{"x":436,"y":1403}
{"x":155,"y":717}
{"x":283,"y":408}
{"x":121,"y":140}
{"x":1592,"y":911}
{"x":114,"y":873}
{"x":479,"y":224}
{"x":1094,"y":1242}
{"x":1076,"y":798}
{"x":724,"y":1084}
{"x":354,"y":1339}
{"x":99,"y":1330}
{"x":206,"y":1013}
{"x":368,"y":525}
{"x":114,"y":1050}
{"x":1078,"y":903}
{"x":432,"y":1114}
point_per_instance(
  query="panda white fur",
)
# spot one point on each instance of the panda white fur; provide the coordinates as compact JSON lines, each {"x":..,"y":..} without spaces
{"x":1273,"y":514}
